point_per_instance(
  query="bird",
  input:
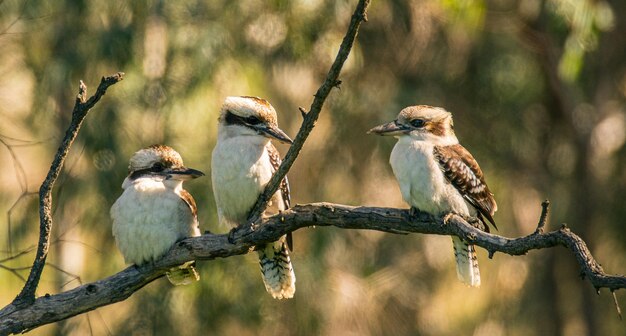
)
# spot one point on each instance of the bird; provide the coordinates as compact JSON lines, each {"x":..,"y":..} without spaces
{"x":242,"y":163}
{"x":154,"y":211}
{"x":437,"y":175}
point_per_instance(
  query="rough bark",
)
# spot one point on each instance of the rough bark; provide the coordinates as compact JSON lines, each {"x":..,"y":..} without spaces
{"x":81,"y":108}
{"x":27,"y":312}
{"x":52,"y":308}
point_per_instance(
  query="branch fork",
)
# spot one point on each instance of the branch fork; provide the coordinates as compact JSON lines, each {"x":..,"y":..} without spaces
{"x":27,"y":312}
{"x":81,"y":108}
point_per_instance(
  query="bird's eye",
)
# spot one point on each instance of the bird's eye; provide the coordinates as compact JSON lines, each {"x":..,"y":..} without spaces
{"x":158,"y":166}
{"x":253,"y":120}
{"x":418,"y":123}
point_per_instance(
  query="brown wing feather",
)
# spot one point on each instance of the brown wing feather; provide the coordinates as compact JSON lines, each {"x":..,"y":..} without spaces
{"x":188,"y":199}
{"x":284,"y":186}
{"x":191,"y":203}
{"x":461,"y":169}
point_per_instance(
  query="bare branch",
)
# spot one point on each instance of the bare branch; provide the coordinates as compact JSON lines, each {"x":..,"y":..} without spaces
{"x":27,"y":295}
{"x":13,"y":271}
{"x":619,"y":310}
{"x":545,"y":210}
{"x":81,"y":108}
{"x":17,"y":255}
{"x":52,"y":308}
{"x":359,"y":16}
{"x":17,"y":19}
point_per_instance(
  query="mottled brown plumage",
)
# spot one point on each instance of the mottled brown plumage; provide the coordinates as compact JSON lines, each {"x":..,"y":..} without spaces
{"x":437,"y":175}
{"x":284,"y":185}
{"x":188,"y":199}
{"x":461,"y":169}
{"x":259,"y":101}
{"x":147,"y":156}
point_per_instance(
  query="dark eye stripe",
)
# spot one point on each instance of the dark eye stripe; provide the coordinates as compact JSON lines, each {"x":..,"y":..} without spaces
{"x":233,"y":119}
{"x":156,"y":168}
{"x":253,"y":120}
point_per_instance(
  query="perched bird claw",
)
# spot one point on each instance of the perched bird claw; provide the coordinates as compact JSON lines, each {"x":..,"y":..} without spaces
{"x":447,"y":217}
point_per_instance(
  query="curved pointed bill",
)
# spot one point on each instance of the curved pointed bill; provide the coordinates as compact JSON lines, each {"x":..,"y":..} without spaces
{"x":390,"y":128}
{"x":183,"y":173}
{"x":274,"y":132}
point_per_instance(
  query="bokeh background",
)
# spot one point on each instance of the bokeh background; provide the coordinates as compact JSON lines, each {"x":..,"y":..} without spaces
{"x":537,"y":89}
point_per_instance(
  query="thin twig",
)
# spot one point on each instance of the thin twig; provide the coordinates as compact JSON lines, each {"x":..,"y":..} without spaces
{"x":73,"y":277}
{"x":13,"y":271}
{"x":545,"y":210}
{"x":81,"y":108}
{"x":20,"y":176}
{"x":10,"y":25}
{"x":331,"y":81}
{"x":303,"y":112}
{"x":19,"y":254}
{"x":10,"y":216}
{"x":619,"y":310}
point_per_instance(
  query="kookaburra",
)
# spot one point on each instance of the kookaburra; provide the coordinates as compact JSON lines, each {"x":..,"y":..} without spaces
{"x":439,"y":176}
{"x":154,"y":211}
{"x":243,"y":161}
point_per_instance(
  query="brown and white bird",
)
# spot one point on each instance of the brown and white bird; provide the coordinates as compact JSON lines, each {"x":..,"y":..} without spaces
{"x":439,"y":176}
{"x":154,"y":211}
{"x":243,"y":161}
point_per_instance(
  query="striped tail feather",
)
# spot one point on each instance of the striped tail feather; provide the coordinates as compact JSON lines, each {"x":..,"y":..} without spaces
{"x":466,"y":262}
{"x":184,"y":274}
{"x":278,"y":275}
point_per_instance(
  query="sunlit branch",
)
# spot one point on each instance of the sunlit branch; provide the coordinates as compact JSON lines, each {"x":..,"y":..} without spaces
{"x":331,"y":81}
{"x":118,"y":287}
{"x":81,"y":108}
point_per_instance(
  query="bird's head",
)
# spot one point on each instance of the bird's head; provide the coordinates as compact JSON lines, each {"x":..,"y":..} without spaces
{"x":161,"y":162}
{"x":251,"y":116}
{"x":422,"y":123}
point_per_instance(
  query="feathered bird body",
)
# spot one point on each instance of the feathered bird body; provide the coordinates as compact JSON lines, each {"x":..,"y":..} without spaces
{"x":154,"y":211}
{"x":439,"y":176}
{"x":243,"y":162}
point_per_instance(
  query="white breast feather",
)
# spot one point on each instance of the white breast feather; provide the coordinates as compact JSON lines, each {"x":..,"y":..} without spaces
{"x":240,"y":169}
{"x":148,"y":219}
{"x":421,"y":180}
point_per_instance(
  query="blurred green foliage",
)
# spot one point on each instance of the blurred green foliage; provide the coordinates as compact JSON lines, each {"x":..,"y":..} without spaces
{"x":537,"y":89}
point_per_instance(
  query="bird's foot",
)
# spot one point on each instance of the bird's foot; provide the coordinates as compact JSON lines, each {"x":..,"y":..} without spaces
{"x":476,"y":222}
{"x":473,"y":221}
{"x":447,"y":217}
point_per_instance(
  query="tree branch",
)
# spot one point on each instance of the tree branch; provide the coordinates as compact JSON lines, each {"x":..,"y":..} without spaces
{"x":118,"y":287}
{"x":331,"y":81}
{"x":81,"y":108}
{"x":27,"y":312}
{"x":27,"y":295}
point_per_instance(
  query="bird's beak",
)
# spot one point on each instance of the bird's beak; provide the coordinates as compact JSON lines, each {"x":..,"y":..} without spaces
{"x":275,"y":132}
{"x":390,"y":128}
{"x":183,"y":173}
